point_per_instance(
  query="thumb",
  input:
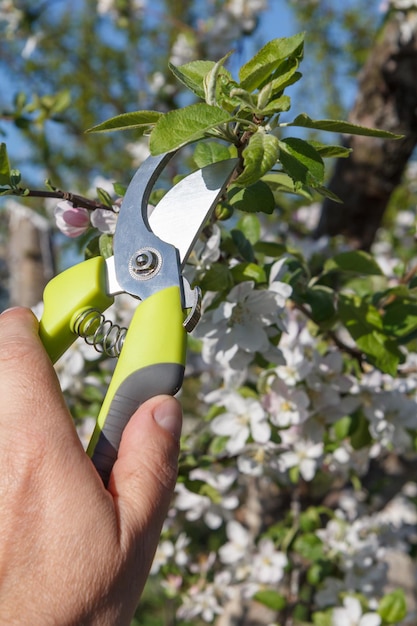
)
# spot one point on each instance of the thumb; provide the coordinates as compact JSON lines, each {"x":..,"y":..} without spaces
{"x":143,"y":477}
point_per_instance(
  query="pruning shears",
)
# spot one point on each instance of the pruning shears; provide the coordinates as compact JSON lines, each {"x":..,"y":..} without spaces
{"x":149,"y":254}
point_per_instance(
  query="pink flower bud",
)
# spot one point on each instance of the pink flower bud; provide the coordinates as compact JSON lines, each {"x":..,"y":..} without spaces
{"x":72,"y":221}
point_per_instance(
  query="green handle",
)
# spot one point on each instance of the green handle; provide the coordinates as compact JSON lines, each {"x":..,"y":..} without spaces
{"x":151,"y":362}
{"x":66,"y":296}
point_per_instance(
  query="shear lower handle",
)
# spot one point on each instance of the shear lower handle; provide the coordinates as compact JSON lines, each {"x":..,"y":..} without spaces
{"x":68,"y":294}
{"x":151,"y":363}
{"x":162,"y":378}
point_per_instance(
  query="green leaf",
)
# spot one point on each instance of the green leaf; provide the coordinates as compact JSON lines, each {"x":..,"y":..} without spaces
{"x":211,"y":80}
{"x":192,"y":75}
{"x":357,"y":262}
{"x":283,"y":183}
{"x":321,"y":301}
{"x":250,"y":226}
{"x":258,"y":69}
{"x":217,"y":278}
{"x":243,"y":245}
{"x":259,"y":156}
{"x":285,"y":75}
{"x":92,"y":249}
{"x":301,"y":161}
{"x":252,"y":199}
{"x":248,"y":271}
{"x":60,"y":101}
{"x":207,"y":152}
{"x":339,"y":126}
{"x":329,"y":151}
{"x":179,"y":127}
{"x":364,"y":323}
{"x":393,"y":607}
{"x":119,"y":189}
{"x":4,"y":166}
{"x":360,"y":437}
{"x":270,"y":249}
{"x":278,"y":105}
{"x":400,"y":319}
{"x":323,"y":618}
{"x":309,"y":546}
{"x":104,"y":197}
{"x":271,"y":599}
{"x":138,"y":120}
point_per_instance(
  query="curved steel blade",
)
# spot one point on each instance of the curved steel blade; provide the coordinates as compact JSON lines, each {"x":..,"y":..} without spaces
{"x":180,"y":215}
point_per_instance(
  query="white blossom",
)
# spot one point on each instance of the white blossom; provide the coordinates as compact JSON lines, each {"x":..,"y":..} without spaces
{"x":268,"y":564}
{"x":305,"y":455}
{"x":237,"y":328}
{"x":104,"y":220}
{"x":351,"y":614}
{"x":243,"y":418}
{"x":239,"y":541}
{"x":287,"y":406}
{"x":201,"y":506}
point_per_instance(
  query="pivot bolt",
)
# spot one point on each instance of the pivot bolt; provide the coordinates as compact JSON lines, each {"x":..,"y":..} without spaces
{"x":145,"y":263}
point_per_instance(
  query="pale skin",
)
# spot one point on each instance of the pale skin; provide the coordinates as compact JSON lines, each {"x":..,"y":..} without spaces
{"x":73,"y":553}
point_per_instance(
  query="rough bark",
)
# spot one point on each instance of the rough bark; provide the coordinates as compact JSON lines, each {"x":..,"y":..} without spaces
{"x":387,"y":99}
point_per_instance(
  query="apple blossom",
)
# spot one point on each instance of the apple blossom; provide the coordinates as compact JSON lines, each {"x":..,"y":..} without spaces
{"x":237,"y":329}
{"x":71,"y":221}
{"x":104,"y":220}
{"x":303,"y":454}
{"x":351,"y":614}
{"x":239,"y":541}
{"x":268,"y":563}
{"x":243,"y":418}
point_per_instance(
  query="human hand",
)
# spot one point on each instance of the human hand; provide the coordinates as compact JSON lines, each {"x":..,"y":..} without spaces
{"x":72,"y":552}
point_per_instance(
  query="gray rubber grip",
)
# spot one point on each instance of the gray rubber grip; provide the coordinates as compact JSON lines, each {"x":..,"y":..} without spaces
{"x":161,"y":378}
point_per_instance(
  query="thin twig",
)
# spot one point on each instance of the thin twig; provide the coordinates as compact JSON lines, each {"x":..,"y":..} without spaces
{"x":74,"y":199}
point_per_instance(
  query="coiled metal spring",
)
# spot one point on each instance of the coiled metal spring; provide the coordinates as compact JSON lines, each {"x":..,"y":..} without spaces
{"x":105,"y":336}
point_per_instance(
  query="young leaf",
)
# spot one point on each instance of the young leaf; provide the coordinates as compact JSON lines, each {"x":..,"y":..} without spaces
{"x":259,"y":156}
{"x":181,"y":126}
{"x":301,"y":161}
{"x":258,"y":69}
{"x":339,"y":126}
{"x":285,"y":75}
{"x":393,"y":607}
{"x":211,"y":80}
{"x":139,"y":120}
{"x":4,"y":165}
{"x":277,"y":106}
{"x":104,"y":196}
{"x":207,"y":152}
{"x":192,"y":75}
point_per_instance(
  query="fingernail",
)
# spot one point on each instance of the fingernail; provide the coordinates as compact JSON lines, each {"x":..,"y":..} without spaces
{"x":168,"y":416}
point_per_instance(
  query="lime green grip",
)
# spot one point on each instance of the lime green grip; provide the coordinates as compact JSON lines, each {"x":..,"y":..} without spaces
{"x":151,"y":362}
{"x":66,"y":296}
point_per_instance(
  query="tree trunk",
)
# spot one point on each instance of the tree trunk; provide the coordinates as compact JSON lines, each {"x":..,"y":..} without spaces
{"x":29,"y":256}
{"x":387,"y":99}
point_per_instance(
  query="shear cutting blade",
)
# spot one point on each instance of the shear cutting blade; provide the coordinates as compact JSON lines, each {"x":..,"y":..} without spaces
{"x":181,"y":214}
